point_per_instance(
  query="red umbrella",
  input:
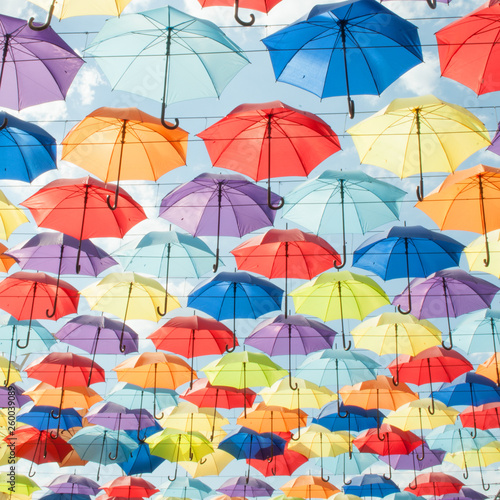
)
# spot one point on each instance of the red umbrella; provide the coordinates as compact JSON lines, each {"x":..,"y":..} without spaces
{"x":483,"y":417}
{"x":260,"y":5}
{"x":192,"y":336}
{"x":468,"y":49}
{"x":79,"y":208}
{"x":269,"y":139}
{"x":435,"y":484}
{"x":286,"y":253}
{"x":129,"y":487}
{"x":279,"y":465}
{"x":28,"y":296}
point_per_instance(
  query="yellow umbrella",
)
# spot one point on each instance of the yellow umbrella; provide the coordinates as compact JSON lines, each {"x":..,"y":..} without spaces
{"x":17,"y":484}
{"x":476,"y":253}
{"x":211,"y":465}
{"x":8,"y":371}
{"x":414,"y":135}
{"x":11,"y":217}
{"x":339,"y":295}
{"x":396,"y":333}
{"x":69,"y":8}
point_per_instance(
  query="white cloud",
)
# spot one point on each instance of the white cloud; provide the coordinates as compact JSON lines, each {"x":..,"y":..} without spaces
{"x":423,"y":78}
{"x":86,"y":83}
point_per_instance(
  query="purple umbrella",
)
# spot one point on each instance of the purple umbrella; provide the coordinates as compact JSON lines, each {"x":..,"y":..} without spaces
{"x":58,"y":253}
{"x":291,"y":335}
{"x":215,"y":205}
{"x":13,"y":396}
{"x":116,"y":417}
{"x":36,"y":66}
{"x":465,"y":493}
{"x":244,"y":486}
{"x":447,"y":293}
{"x":495,"y":143}
{"x":73,"y":484}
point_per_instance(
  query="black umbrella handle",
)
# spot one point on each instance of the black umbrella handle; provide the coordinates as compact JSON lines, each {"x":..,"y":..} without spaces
{"x":432,"y":3}
{"x":46,"y":24}
{"x":4,"y":124}
{"x":164,"y":99}
{"x":237,"y":17}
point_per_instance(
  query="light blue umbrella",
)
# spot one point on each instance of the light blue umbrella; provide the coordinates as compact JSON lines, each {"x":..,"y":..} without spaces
{"x":180,"y":56}
{"x":186,"y":487}
{"x":479,"y":331}
{"x":454,"y":438}
{"x":365,"y":203}
{"x":349,"y":464}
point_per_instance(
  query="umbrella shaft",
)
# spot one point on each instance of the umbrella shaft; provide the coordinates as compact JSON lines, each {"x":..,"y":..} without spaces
{"x":4,"y":55}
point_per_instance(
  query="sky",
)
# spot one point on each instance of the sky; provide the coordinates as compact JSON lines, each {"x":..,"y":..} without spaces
{"x":254,"y":84}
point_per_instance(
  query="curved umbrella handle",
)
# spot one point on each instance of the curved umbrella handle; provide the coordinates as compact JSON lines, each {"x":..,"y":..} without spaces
{"x":380,"y":436}
{"x":486,"y":261}
{"x":432,"y":3}
{"x":166,"y":124}
{"x":46,"y":24}
{"x":112,"y":206}
{"x":237,"y":17}
{"x":348,"y":346}
{"x":269,"y":203}
{"x":420,"y":459}
{"x":350,"y":105}
{"x":324,"y":479}
{"x":411,"y":487}
{"x":388,"y":477}
{"x":293,"y":385}
{"x":202,"y":460}
{"x":175,"y":474}
{"x":450,"y":347}
{"x":466,"y":473}
{"x":4,"y":124}
{"x":420,"y":187}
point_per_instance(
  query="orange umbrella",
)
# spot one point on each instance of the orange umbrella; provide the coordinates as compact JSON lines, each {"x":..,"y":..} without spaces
{"x":309,"y":487}
{"x":467,"y":200}
{"x":263,"y":418}
{"x":491,"y":368}
{"x":6,"y":262}
{"x":44,"y":394}
{"x":124,"y":143}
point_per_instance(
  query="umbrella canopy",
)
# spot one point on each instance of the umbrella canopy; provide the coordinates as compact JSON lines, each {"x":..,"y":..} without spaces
{"x":434,"y":483}
{"x":129,"y":487}
{"x":309,"y":487}
{"x":260,"y":5}
{"x":246,"y":486}
{"x":475,"y":252}
{"x":67,"y":397}
{"x":277,"y":419}
{"x":23,"y":485}
{"x":199,"y":59}
{"x":395,"y":441}
{"x":270,"y":139}
{"x":394,"y":137}
{"x":211,"y":465}
{"x":371,"y":485}
{"x":349,"y":48}
{"x":73,"y":483}
{"x":26,"y":52}
{"x":486,"y":416}
{"x":458,"y":44}
{"x":186,"y":486}
{"x":11,"y":217}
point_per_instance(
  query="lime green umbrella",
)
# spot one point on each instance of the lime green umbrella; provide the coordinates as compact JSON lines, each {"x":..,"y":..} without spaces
{"x":339,"y":295}
{"x":17,"y":484}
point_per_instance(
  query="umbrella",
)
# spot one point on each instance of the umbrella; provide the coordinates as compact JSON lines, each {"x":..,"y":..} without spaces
{"x":29,"y":150}
{"x":129,"y":296}
{"x":20,"y":484}
{"x":129,"y":487}
{"x":210,"y":465}
{"x":490,"y":368}
{"x":153,"y":253}
{"x":458,"y":44}
{"x":419,"y":134}
{"x":466,"y":200}
{"x":475,"y":252}
{"x":430,"y":458}
{"x":284,"y":253}
{"x":339,"y":295}
{"x":260,"y":5}
{"x":6,"y":262}
{"x":365,"y":203}
{"x":78,"y":208}
{"x":434,"y":483}
{"x":290,"y":335}
{"x":348,"y":48}
{"x":273,"y":419}
{"x":183,"y":334}
{"x":371,"y":485}
{"x":11,"y":217}
{"x":70,"y":8}
{"x":483,"y":417}
{"x":235,"y":295}
{"x":57,"y":253}
{"x":270,"y":139}
{"x":186,"y":487}
{"x":199,"y":59}
{"x":407,"y":251}
{"x":17,"y":290}
{"x":124,"y":143}
{"x":244,"y":486}
{"x":432,"y":4}
{"x":308,"y":487}
{"x":72,"y":483}
{"x":355,"y":464}
{"x":218,"y":205}
{"x":354,"y":419}
{"x":64,"y":397}
{"x":27,"y":52}
{"x":448,"y":293}
{"x":42,"y":418}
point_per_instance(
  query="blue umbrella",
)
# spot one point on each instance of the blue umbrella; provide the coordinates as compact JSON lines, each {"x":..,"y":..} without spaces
{"x":41,"y":418}
{"x":349,"y":465}
{"x":27,"y":150}
{"x":370,"y":485}
{"x":313,"y":53}
{"x":479,"y":332}
{"x":355,"y":419}
{"x":64,"y":496}
{"x":236,"y":295}
{"x":186,"y":487}
{"x":407,"y":251}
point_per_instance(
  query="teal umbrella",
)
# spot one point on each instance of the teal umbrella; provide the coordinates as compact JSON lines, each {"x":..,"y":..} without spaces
{"x":479,"y":331}
{"x":166,"y":55}
{"x":153,"y":252}
{"x":186,"y":487}
{"x":349,"y":464}
{"x":365,"y":203}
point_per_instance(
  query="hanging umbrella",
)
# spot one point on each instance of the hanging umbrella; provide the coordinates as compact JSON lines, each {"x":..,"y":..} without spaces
{"x":73,"y":484}
{"x":9,"y":372}
{"x":6,"y":262}
{"x":371,"y":485}
{"x":27,"y":52}
{"x":349,"y":48}
{"x":290,"y":335}
{"x":458,"y":44}
{"x":186,"y":487}
{"x":365,"y":203}
{"x":465,"y":492}
{"x":124,"y":143}
{"x":210,"y":465}
{"x":270,"y":139}
{"x":490,"y":368}
{"x":354,"y":419}
{"x":23,"y":485}
{"x":402,"y":252}
{"x":308,"y":487}
{"x":199,"y":59}
{"x":475,"y":252}
{"x":467,"y":201}
{"x":235,"y":295}
{"x":411,"y":462}
{"x":129,"y":296}
{"x":152,"y":253}
{"x":11,"y":217}
{"x":432,"y":4}
{"x":42,"y":418}
{"x":244,"y":486}
{"x":478,"y":332}
{"x":129,"y":487}
{"x":218,"y":205}
{"x":17,"y":290}
{"x":29,"y":150}
{"x":271,"y":419}
{"x":260,"y":5}
{"x":419,"y":134}
{"x":192,"y":336}
{"x":434,"y":483}
{"x":448,"y":293}
{"x":354,"y":464}
{"x":284,"y":253}
{"x":337,"y":296}
{"x":486,"y":416}
{"x":13,"y":394}
{"x":78,"y":208}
